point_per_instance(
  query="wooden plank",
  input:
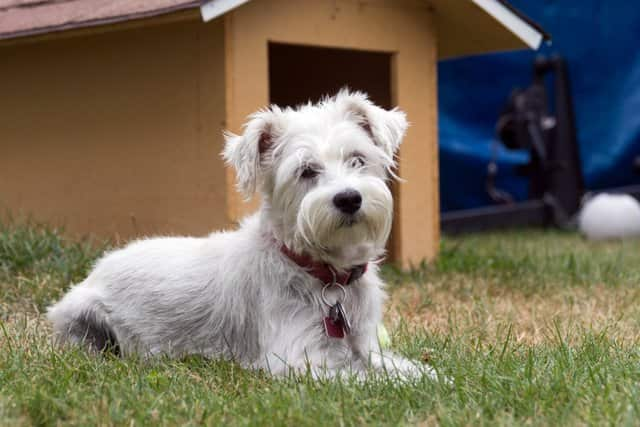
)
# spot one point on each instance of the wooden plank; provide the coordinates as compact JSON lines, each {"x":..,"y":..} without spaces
{"x":121,"y":135}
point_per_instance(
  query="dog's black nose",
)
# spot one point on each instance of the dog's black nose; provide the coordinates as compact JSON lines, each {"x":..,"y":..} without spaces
{"x":348,"y":201}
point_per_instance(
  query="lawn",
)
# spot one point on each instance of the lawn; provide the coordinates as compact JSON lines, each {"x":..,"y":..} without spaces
{"x":532,"y":327}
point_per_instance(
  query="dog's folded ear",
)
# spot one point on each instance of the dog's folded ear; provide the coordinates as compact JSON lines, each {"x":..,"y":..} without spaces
{"x":246,"y":152}
{"x":386,"y":127}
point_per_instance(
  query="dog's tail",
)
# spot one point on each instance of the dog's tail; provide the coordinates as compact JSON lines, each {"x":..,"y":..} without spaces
{"x":80,"y":318}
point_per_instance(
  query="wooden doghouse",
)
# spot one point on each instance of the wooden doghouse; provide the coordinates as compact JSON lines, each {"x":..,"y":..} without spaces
{"x":111,"y":112}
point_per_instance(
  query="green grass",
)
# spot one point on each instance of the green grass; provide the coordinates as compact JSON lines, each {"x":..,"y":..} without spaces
{"x":37,"y":263}
{"x":532,"y":261}
{"x":532,"y":327}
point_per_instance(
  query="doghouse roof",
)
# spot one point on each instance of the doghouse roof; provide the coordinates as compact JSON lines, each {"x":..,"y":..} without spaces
{"x":464,"y":27}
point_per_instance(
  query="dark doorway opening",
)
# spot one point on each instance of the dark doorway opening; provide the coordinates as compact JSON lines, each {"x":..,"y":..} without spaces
{"x":298,"y":74}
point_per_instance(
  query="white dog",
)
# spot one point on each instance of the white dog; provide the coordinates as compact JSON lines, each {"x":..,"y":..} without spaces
{"x":296,"y":287}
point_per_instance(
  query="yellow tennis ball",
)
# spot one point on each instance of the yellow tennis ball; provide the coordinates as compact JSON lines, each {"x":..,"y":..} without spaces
{"x":383,"y":337}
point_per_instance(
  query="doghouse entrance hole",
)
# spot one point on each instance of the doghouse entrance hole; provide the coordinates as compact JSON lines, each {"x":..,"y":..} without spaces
{"x":298,"y":74}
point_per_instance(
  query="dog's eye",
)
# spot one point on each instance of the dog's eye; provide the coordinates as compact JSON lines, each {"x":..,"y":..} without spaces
{"x":356,"y":162}
{"x":308,"y":172}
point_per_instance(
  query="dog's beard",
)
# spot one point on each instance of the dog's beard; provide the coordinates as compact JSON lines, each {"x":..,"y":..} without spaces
{"x":345,"y":240}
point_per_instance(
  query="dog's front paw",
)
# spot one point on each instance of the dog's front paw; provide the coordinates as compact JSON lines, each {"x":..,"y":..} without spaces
{"x":401,"y":368}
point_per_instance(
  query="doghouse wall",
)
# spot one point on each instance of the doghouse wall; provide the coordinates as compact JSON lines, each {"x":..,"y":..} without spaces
{"x":116,"y":134}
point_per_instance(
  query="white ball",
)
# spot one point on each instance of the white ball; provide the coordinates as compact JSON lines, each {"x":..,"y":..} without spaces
{"x":610,"y":216}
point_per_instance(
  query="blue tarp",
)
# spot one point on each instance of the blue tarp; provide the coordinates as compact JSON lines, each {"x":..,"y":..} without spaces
{"x":600,"y":40}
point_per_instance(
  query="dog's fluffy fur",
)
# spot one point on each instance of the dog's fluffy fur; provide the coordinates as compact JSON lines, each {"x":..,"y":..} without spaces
{"x":234,"y":294}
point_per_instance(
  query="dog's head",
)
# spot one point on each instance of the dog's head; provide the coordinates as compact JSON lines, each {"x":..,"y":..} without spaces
{"x":322,"y":171}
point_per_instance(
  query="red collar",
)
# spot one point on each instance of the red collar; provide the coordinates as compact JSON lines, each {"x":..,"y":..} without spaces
{"x":323,"y":271}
